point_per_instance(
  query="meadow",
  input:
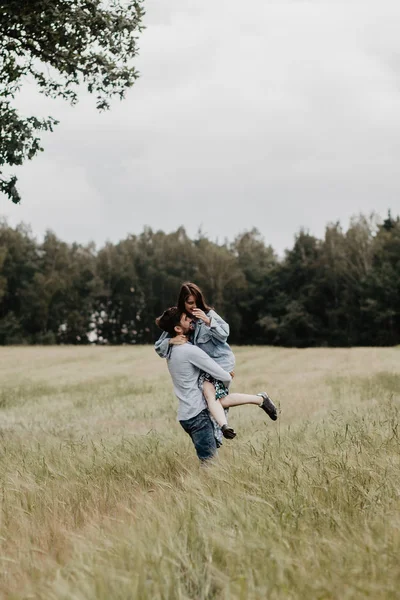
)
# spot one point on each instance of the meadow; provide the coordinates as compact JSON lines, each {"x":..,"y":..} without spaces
{"x":102,"y":496}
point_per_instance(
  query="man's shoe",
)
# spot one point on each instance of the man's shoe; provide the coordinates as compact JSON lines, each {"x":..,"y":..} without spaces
{"x":268,"y":406}
{"x":228,"y":432}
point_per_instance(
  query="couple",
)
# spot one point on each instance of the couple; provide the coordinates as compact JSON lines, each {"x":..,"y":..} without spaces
{"x":201,"y":365}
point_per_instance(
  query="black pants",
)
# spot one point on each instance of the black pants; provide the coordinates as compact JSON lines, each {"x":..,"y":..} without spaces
{"x":201,"y":431}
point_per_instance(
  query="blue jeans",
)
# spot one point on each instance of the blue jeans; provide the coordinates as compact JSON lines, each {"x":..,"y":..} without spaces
{"x":201,"y":431}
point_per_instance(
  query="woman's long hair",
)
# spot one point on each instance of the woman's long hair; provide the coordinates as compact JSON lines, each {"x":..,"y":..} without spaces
{"x":191,"y":289}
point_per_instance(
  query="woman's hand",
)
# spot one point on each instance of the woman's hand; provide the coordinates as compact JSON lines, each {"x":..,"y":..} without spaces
{"x":232,"y":374}
{"x":178,"y":340}
{"x":200,"y":314}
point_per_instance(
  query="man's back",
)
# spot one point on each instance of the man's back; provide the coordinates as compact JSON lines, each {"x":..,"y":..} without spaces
{"x":185,"y":363}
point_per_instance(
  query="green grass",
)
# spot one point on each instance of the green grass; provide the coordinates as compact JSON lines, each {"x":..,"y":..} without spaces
{"x":102,"y":495}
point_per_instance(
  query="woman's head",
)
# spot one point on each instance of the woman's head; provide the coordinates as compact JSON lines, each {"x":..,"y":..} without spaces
{"x":190,"y":297}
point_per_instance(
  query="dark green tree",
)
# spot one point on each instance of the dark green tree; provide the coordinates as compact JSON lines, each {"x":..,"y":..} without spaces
{"x":19,"y":264}
{"x":258,"y":264}
{"x":220,"y":277}
{"x":381,"y":293}
{"x":60,"y":45}
{"x":141,"y":276}
{"x":290,"y":317}
{"x":343,"y":290}
{"x":56,"y":306}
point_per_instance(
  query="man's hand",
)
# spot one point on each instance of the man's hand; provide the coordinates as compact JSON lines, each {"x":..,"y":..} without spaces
{"x":178,"y":340}
{"x":200,"y":314}
{"x":232,"y":374}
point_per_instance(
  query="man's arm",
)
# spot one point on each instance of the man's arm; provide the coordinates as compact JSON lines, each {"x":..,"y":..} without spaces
{"x":201,"y":360}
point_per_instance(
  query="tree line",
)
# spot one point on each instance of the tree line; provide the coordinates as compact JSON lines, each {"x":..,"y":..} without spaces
{"x":342,"y":290}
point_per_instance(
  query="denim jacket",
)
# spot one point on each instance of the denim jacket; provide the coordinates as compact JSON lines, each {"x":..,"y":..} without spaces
{"x":211,"y":339}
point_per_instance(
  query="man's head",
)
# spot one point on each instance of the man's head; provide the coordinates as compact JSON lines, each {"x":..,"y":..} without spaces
{"x":174,"y":322}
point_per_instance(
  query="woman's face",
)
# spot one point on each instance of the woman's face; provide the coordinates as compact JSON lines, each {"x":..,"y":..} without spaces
{"x":190,"y":304}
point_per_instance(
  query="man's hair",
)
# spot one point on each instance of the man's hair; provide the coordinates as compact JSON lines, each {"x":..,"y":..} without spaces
{"x":169,"y":320}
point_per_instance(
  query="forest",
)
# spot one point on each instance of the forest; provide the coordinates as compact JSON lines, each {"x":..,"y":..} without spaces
{"x":339,"y":291}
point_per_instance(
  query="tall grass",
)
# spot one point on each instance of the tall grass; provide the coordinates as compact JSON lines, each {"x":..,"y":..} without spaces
{"x":102,"y":495}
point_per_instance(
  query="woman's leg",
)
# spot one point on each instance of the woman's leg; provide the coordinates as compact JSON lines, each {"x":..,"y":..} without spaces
{"x":239,"y":399}
{"x":262,"y":400}
{"x":214,"y":405}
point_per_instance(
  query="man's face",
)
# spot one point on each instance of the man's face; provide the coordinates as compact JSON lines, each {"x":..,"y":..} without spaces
{"x":184,"y":324}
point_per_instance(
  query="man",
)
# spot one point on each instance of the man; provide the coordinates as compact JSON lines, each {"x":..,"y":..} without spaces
{"x":185,"y":364}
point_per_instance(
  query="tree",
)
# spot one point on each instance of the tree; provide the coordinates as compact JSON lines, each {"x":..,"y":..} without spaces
{"x":60,"y":44}
{"x":291,"y":317}
{"x":141,"y":276}
{"x":19,"y":264}
{"x":381,"y":299}
{"x":218,"y":274}
{"x":258,"y":263}
{"x":57,"y":304}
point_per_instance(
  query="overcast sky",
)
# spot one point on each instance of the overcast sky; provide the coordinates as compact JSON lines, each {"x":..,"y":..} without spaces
{"x":277,"y":115}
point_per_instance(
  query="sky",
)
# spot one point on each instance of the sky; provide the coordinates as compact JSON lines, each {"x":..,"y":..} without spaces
{"x":278,"y":115}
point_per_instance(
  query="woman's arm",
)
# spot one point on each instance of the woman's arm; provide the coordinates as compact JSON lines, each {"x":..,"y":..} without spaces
{"x":219,"y":329}
{"x":165,"y":341}
{"x":162,"y":345}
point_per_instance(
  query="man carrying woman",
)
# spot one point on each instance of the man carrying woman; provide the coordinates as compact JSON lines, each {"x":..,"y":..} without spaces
{"x":202,"y":370}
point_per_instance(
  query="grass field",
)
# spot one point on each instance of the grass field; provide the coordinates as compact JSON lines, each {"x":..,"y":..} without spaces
{"x":102,"y":496}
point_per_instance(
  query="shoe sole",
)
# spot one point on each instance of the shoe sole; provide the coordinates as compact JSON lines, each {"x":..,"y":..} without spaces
{"x":229,"y":434}
{"x":269,"y":407}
